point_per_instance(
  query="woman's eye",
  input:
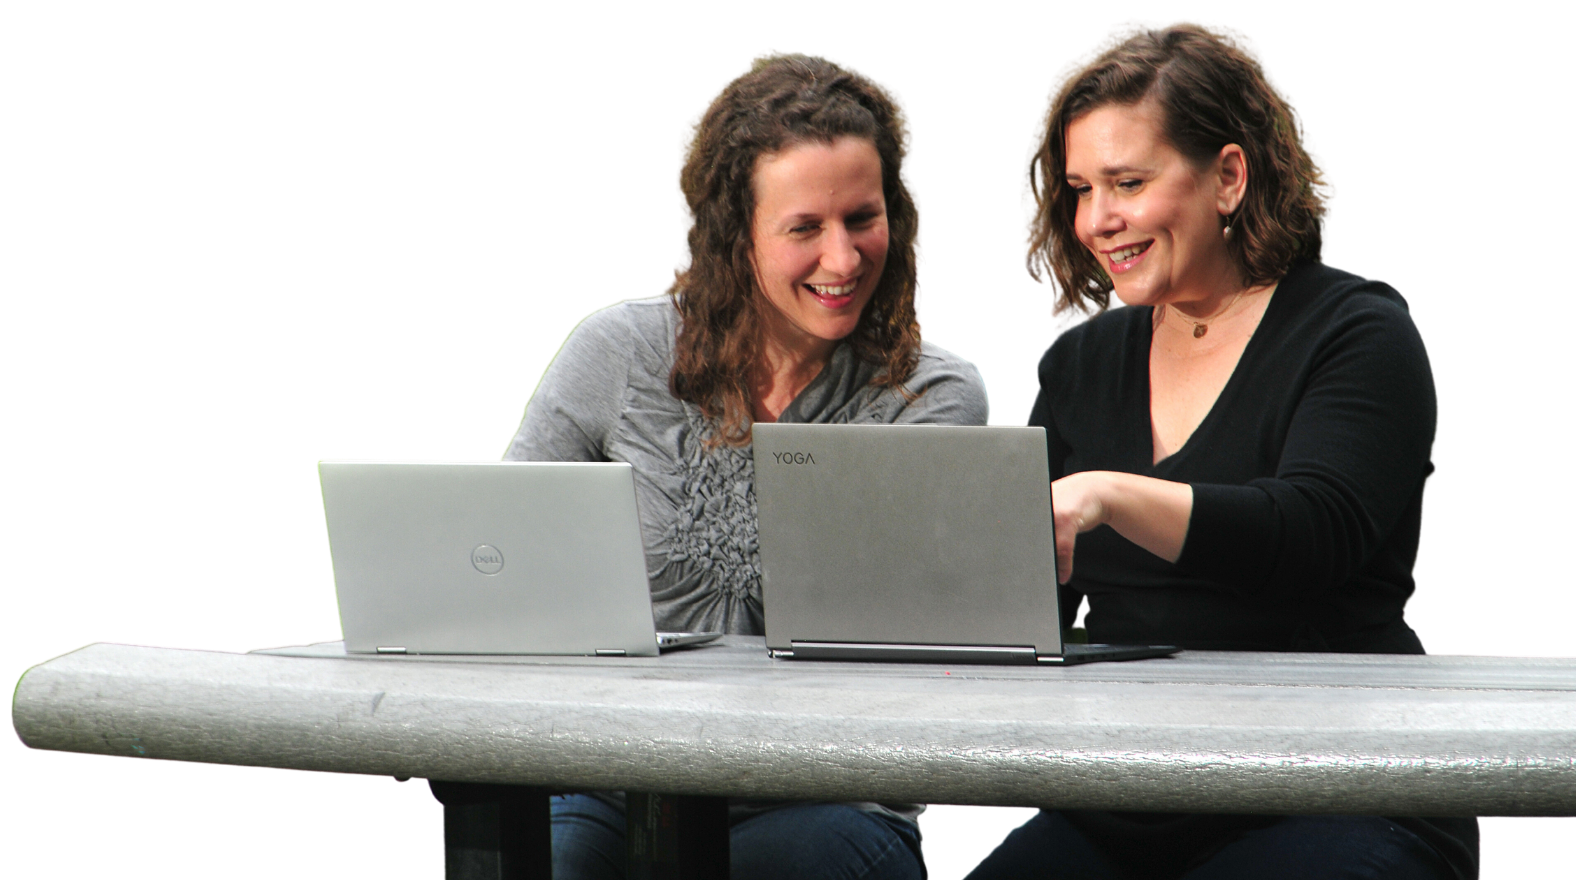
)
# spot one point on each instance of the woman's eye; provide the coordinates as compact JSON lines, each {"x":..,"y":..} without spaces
{"x":1082,"y":189}
{"x":1130,"y":185}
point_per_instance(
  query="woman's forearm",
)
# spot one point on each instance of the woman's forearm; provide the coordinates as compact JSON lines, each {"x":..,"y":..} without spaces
{"x":1151,"y":513}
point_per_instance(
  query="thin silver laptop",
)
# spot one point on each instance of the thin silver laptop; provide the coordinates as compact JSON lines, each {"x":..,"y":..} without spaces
{"x":490,"y":558}
{"x":912,"y":542}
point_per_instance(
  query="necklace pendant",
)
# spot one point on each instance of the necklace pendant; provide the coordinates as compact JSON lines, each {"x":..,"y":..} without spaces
{"x":1199,"y":330}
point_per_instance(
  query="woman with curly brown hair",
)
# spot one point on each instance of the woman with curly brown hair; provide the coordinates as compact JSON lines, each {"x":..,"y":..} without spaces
{"x":1253,"y":427}
{"x":798,"y":305}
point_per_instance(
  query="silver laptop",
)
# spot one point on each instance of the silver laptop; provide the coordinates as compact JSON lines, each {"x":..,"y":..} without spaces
{"x":912,"y":542}
{"x":490,"y":558}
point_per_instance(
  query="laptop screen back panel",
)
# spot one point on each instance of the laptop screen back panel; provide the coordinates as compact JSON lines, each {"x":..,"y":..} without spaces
{"x":492,"y":558}
{"x":906,"y":535}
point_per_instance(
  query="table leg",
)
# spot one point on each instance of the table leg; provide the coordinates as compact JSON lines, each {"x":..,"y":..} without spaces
{"x":676,"y":837}
{"x":495,"y":832}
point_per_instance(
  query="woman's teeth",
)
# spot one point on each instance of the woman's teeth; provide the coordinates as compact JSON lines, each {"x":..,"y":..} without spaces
{"x":1128,"y":253}
{"x":833,"y":289}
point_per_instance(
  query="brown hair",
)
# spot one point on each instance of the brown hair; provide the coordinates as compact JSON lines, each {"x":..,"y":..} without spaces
{"x":783,"y":101}
{"x":1210,"y":94}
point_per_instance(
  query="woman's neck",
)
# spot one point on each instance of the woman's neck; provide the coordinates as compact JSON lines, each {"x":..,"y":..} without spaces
{"x":1215,"y":293}
{"x":783,"y":369}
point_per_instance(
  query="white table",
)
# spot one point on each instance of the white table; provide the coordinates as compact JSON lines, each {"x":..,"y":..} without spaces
{"x":1204,"y":731}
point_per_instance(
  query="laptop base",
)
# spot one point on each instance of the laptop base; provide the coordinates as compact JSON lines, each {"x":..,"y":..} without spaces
{"x":990,"y":654}
{"x":666,"y":640}
{"x":1072,"y":655}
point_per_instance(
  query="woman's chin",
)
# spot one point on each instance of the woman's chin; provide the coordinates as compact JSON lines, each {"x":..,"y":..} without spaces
{"x":839,"y":331}
{"x":837,"y":325}
{"x":806,"y":321}
{"x":1131,"y":295}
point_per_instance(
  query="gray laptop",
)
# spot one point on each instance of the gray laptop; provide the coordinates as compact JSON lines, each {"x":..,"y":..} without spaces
{"x":912,"y":542}
{"x":490,"y":558}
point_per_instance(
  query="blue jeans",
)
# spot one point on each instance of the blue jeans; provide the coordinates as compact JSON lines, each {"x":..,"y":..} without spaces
{"x":794,"y":841}
{"x":1048,"y":847}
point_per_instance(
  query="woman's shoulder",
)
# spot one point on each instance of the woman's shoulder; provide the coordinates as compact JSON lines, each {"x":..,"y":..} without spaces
{"x":1313,"y":286}
{"x":952,"y":389}
{"x":653,"y":320}
{"x":634,"y":339}
{"x":1321,"y":302}
{"x":936,"y":362}
{"x":1093,"y":341}
{"x":573,"y":413}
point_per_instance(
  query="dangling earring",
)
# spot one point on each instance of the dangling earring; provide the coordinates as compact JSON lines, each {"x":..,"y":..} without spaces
{"x":1227,"y":232}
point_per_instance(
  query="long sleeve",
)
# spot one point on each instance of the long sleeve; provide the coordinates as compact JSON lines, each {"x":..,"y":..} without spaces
{"x":575,"y":406}
{"x":1355,"y":454}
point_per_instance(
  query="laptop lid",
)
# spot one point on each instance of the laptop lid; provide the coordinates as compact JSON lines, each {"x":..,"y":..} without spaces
{"x":907,"y":542}
{"x":488,"y":558}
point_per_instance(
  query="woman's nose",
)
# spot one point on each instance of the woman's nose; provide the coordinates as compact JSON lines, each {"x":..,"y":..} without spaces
{"x":838,"y":254}
{"x":1100,"y":218}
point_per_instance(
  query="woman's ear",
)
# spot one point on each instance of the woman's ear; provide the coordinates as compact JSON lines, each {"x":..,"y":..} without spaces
{"x":1231,"y":179}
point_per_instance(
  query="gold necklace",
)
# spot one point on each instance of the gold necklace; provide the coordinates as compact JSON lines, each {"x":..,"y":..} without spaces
{"x":1202,"y":327}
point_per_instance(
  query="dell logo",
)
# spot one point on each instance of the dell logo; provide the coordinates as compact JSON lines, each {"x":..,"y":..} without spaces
{"x":793,"y":457}
{"x":487,"y":559}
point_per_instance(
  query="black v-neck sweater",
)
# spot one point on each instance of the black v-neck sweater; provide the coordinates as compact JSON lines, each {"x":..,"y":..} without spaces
{"x":1307,"y":475}
{"x":1307,"y":479}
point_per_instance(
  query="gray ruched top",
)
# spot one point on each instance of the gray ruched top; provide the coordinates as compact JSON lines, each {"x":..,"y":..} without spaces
{"x":605,"y":398}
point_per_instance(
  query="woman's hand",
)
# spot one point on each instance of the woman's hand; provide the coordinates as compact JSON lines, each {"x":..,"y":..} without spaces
{"x":1151,"y":513}
{"x":1077,"y":507}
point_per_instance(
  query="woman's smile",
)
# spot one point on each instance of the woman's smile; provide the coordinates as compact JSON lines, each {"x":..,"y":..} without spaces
{"x":1124,"y":257}
{"x":834,"y":296}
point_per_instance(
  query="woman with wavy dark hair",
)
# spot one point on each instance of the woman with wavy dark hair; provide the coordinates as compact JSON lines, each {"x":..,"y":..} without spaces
{"x":798,"y":305}
{"x":1238,"y":454}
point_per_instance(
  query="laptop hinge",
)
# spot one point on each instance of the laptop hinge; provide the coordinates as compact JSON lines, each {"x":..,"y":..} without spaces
{"x":912,"y":653}
{"x":610,"y":652}
{"x":390,"y":649}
